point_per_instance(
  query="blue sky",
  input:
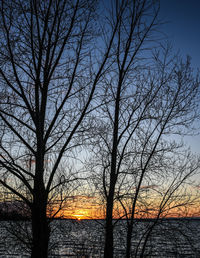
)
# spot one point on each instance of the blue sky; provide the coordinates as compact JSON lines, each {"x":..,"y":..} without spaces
{"x":183,"y":26}
{"x":183,"y":30}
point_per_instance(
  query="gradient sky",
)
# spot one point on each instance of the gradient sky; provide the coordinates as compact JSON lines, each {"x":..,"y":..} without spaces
{"x":183,"y":27}
{"x":183,"y":30}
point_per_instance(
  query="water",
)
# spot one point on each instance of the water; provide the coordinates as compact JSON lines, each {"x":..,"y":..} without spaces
{"x":169,"y":238}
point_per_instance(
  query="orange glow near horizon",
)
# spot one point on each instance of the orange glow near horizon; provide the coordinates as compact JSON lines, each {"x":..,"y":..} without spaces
{"x":80,"y":214}
{"x":83,"y":207}
{"x":98,"y":212}
{"x":88,"y":212}
{"x":91,"y":212}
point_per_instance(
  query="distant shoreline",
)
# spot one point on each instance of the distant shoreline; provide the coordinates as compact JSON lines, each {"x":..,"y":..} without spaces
{"x":21,"y":218}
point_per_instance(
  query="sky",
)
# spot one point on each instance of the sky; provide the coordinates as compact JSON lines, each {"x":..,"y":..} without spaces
{"x":182,"y":27}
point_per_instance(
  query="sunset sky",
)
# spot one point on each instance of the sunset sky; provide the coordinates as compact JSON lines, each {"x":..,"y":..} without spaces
{"x":182,"y":29}
{"x":99,"y":127}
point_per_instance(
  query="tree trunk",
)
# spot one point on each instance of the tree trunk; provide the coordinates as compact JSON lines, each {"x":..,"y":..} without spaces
{"x":41,"y":232}
{"x":40,"y":227}
{"x":108,"y":248}
{"x":128,"y":241}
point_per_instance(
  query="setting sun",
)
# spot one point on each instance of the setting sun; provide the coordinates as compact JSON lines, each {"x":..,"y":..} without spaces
{"x":79,"y":216}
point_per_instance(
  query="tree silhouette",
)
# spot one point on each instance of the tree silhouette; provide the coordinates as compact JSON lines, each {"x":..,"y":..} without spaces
{"x":49,"y":69}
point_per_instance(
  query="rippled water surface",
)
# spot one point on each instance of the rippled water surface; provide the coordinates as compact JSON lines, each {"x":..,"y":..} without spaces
{"x":169,"y":238}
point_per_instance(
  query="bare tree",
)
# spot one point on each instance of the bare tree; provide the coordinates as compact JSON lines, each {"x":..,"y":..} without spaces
{"x":53,"y":56}
{"x":143,"y":107}
{"x":174,"y":108}
{"x":136,"y":19}
{"x":168,"y":190}
{"x":50,"y":65}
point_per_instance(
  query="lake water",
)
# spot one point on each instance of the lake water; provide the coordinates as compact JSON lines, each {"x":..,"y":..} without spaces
{"x":169,"y":238}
